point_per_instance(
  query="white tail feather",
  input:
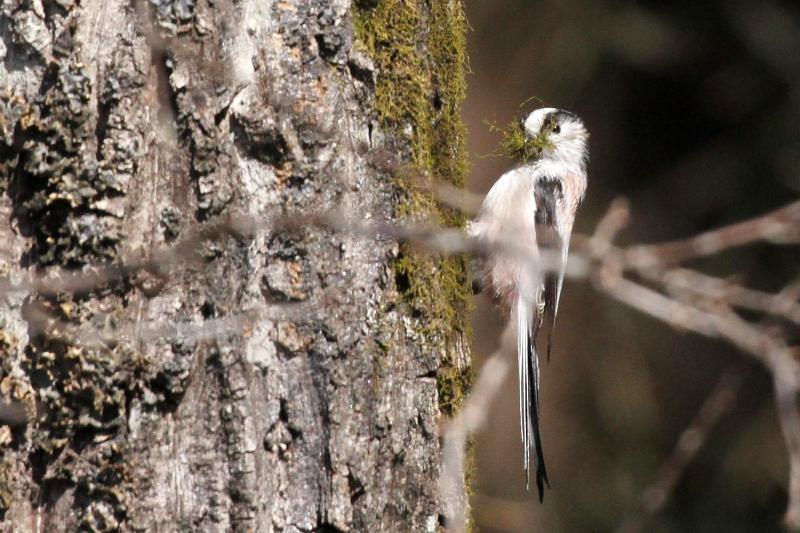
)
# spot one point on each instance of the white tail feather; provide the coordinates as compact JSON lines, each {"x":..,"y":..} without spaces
{"x":528,"y":363}
{"x":524,"y":324}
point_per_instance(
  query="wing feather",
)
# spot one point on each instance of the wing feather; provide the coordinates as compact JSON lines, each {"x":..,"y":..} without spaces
{"x":549,"y":195}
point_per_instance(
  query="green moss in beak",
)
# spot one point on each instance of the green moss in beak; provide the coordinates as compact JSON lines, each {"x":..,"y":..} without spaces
{"x":517,"y":145}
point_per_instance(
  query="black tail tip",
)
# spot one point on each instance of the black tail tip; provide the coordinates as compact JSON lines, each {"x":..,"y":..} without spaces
{"x":541,"y":480}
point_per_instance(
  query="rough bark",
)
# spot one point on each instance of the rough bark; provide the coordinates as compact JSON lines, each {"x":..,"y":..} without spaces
{"x":128,"y":127}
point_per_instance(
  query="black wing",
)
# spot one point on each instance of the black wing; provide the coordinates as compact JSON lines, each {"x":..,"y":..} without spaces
{"x":548,"y":195}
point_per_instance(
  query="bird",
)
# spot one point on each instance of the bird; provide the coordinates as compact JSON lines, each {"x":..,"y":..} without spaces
{"x":531,"y":210}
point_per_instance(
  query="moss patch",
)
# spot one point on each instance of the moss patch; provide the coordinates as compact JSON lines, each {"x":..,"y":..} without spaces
{"x":419,"y":50}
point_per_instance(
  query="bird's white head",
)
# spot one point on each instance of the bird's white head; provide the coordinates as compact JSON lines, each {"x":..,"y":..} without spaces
{"x":561,"y":134}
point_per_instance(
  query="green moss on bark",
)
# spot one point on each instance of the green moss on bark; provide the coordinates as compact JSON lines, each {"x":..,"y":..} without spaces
{"x":419,"y":51}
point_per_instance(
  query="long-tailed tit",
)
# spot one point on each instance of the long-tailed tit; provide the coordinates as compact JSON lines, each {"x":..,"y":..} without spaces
{"x":532,"y":207}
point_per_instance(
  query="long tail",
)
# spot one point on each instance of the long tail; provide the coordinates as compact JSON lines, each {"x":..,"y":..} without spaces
{"x":528,"y":363}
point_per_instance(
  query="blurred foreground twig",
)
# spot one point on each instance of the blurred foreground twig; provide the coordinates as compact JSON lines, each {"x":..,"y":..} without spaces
{"x":648,"y":278}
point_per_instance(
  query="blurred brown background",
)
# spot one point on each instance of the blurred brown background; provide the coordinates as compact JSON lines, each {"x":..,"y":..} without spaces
{"x":693,"y":109}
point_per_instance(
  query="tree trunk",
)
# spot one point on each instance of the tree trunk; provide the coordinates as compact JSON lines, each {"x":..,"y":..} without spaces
{"x":200,"y":374}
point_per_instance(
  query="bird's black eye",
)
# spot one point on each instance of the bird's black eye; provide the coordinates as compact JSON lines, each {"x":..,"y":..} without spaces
{"x":556,"y":128}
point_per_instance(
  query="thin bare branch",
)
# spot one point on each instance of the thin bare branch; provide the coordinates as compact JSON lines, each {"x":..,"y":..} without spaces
{"x":718,"y":403}
{"x":697,"y":283}
{"x":615,"y":219}
{"x":777,"y":226}
{"x":41,"y":321}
